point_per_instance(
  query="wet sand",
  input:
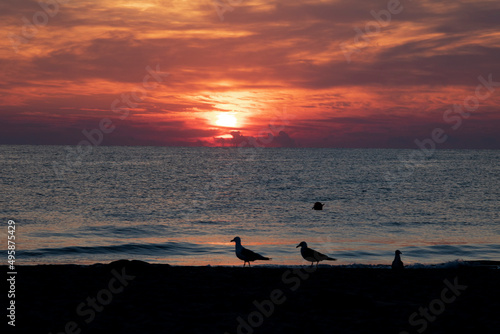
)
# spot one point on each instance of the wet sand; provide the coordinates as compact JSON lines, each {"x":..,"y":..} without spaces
{"x":136,"y":297}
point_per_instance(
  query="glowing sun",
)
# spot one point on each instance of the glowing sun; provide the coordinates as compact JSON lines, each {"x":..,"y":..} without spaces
{"x":226,"y":120}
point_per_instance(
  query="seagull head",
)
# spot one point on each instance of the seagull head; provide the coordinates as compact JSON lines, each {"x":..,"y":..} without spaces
{"x":398,"y":252}
{"x":302,"y":244}
{"x":237,"y":240}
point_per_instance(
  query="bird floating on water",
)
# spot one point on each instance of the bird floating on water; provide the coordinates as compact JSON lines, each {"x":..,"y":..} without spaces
{"x":245,"y":254}
{"x":311,"y":255}
{"x":397,"y":264}
{"x":318,"y":206}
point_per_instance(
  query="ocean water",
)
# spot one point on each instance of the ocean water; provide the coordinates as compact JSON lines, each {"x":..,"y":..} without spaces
{"x":182,"y":206}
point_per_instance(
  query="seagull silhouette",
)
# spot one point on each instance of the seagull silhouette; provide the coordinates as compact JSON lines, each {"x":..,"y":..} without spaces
{"x":245,"y":254}
{"x":311,"y":255}
{"x":397,"y":264}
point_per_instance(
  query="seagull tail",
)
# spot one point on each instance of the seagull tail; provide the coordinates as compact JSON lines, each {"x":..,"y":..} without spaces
{"x":332,"y":259}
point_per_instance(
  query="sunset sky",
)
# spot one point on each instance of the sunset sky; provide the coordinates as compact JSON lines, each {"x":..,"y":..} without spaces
{"x":292,"y":73}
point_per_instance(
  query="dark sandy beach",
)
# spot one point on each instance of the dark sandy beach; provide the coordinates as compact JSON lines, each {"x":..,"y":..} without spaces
{"x":136,"y":297}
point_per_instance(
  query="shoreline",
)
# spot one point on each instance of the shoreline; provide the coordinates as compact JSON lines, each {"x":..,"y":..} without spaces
{"x":492,"y":264}
{"x":137,"y":297}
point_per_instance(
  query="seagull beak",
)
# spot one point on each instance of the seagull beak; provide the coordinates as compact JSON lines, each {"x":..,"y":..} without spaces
{"x":232,"y":240}
{"x":298,"y":246}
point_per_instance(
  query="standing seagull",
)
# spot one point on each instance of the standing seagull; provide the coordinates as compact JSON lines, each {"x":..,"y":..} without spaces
{"x":245,"y":254}
{"x":311,"y":255}
{"x":397,"y":264}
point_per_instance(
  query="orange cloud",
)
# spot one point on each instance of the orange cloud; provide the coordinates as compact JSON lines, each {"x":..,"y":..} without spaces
{"x":62,"y":67}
